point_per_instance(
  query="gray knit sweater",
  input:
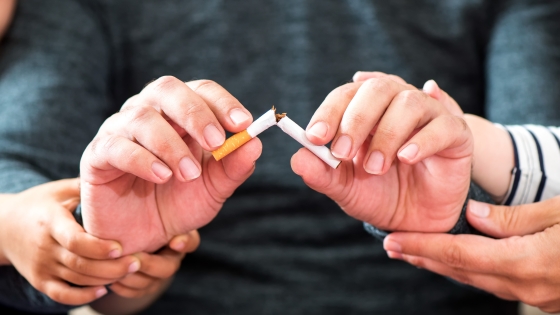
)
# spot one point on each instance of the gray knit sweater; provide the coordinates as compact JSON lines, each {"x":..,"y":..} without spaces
{"x":276,"y":247}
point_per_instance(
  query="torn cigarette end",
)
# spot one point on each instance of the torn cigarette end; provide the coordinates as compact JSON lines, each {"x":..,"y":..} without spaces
{"x":237,"y":140}
{"x":231,"y":144}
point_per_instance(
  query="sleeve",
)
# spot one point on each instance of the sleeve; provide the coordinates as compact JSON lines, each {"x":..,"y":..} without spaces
{"x":536,"y":175}
{"x":54,"y":95}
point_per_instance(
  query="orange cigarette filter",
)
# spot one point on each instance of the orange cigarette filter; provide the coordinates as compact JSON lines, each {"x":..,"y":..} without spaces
{"x":231,"y":144}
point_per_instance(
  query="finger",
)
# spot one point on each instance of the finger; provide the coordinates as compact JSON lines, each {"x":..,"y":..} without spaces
{"x":409,"y":110}
{"x":321,"y":177}
{"x":227,"y":174}
{"x":186,"y":108}
{"x":364,"y":75}
{"x":323,"y":125}
{"x":108,"y":269}
{"x":505,"y":221}
{"x":70,"y":235}
{"x":363,"y":113}
{"x":447,"y":136}
{"x":187,"y":243}
{"x":137,"y":281}
{"x":73,"y":277}
{"x":131,"y":293}
{"x":432,"y":89}
{"x":161,"y":265}
{"x":66,"y":189}
{"x":229,"y":111}
{"x":165,"y":144}
{"x":117,"y":155}
{"x":489,"y":283}
{"x":64,"y":293}
{"x":465,"y":252}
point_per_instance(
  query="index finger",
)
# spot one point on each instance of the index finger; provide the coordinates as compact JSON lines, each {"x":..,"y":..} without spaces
{"x":186,"y":108}
{"x":466,"y":252}
{"x":72,"y":236}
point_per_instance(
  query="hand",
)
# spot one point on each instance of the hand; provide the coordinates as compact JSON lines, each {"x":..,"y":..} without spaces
{"x":156,"y":269}
{"x":515,"y":268}
{"x":407,"y":156}
{"x":42,"y":240}
{"x":146,"y":176}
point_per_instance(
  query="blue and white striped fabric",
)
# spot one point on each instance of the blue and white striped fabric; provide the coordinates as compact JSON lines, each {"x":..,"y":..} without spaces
{"x":536,"y":175}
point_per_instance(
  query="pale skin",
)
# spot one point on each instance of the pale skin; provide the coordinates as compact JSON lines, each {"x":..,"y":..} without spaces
{"x":42,"y":240}
{"x":6,"y":13}
{"x":519,"y":263}
{"x":396,"y":162}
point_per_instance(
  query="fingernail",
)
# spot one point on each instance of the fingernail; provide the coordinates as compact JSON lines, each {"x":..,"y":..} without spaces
{"x":135,"y":266}
{"x":374,"y":164}
{"x":392,"y":246}
{"x":356,"y":76}
{"x":213,"y":136}
{"x":238,"y":116}
{"x":115,"y":253}
{"x":189,"y":169}
{"x":427,"y":85}
{"x":161,"y":171}
{"x":341,"y":149}
{"x":319,"y":130}
{"x":100,"y":292}
{"x":394,"y":255}
{"x":479,"y":209}
{"x":178,"y":246}
{"x":409,"y":152}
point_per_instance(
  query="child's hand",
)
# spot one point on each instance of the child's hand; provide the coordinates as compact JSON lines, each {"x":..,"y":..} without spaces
{"x":42,"y":240}
{"x":156,"y":268}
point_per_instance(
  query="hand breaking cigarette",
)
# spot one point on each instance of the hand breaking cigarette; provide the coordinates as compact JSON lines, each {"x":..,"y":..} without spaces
{"x":295,"y":131}
{"x":269,"y":119}
{"x":237,"y":140}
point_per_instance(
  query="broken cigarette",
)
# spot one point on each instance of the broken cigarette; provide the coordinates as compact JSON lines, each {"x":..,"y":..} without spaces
{"x":295,"y":131}
{"x":237,"y":140}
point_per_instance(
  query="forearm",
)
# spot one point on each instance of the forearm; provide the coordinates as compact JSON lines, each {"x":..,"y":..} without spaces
{"x":115,"y":304}
{"x":493,"y":159}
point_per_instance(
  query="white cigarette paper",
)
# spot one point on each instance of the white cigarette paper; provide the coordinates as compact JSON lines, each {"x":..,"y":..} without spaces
{"x":295,"y":131}
{"x":264,"y":122}
{"x":237,"y":140}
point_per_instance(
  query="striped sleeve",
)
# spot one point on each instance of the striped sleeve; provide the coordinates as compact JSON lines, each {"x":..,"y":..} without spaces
{"x":536,"y":175}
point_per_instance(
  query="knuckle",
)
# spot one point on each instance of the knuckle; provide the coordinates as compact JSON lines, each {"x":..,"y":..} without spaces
{"x":357,"y":120}
{"x":164,"y":84}
{"x":346,"y":92}
{"x":72,"y":242}
{"x":382,"y":85}
{"x":203,"y":83}
{"x":411,"y":99}
{"x":140,"y":114}
{"x":387,"y":134}
{"x":453,"y":256}
{"x":510,"y":219}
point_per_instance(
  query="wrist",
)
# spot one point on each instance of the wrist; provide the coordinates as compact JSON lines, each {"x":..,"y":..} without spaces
{"x":4,"y":208}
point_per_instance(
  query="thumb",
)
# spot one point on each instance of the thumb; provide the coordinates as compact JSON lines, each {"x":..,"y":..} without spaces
{"x":432,"y":89}
{"x":318,"y":175}
{"x":506,"y":221}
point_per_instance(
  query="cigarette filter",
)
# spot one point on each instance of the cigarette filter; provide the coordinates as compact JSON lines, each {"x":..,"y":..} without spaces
{"x":237,"y":140}
{"x":295,"y":131}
